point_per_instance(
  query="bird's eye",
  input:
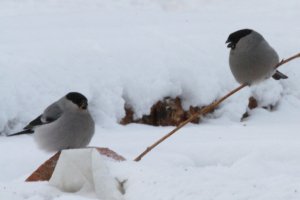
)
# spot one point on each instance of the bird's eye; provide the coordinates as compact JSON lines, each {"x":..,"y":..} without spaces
{"x":83,"y":105}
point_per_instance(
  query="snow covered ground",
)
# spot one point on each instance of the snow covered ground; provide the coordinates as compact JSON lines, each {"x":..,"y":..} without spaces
{"x":137,"y":52}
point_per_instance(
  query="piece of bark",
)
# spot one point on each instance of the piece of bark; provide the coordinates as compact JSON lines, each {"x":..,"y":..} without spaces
{"x":252,"y":103}
{"x":45,"y":171}
{"x":109,"y":153}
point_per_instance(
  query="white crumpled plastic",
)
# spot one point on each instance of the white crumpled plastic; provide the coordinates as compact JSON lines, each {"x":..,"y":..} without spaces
{"x":85,"y":170}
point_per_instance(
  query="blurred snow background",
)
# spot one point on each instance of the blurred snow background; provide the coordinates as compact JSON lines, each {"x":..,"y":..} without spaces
{"x":139,"y":51}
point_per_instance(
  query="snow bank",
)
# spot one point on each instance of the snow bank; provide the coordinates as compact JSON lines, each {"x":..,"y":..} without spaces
{"x":137,"y":52}
{"x":133,"y":52}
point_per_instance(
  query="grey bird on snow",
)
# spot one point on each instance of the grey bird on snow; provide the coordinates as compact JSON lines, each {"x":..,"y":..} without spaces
{"x":251,"y":58}
{"x":65,"y":124}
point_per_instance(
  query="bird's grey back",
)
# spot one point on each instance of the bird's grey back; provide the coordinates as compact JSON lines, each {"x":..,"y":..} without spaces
{"x":52,"y":112}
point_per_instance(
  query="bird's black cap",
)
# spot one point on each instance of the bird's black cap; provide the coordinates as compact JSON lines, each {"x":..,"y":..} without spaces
{"x":234,"y":37}
{"x":78,"y":99}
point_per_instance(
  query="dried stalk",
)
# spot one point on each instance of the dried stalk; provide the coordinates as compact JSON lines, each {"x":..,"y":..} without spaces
{"x":283,"y":61}
{"x":194,"y":116}
{"x":205,"y":110}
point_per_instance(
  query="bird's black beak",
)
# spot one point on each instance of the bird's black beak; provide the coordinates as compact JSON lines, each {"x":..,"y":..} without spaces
{"x":230,"y":44}
{"x":83,"y":105}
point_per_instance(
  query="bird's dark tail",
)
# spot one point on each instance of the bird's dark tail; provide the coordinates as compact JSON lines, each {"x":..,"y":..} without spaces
{"x":27,"y":131}
{"x":278,"y":75}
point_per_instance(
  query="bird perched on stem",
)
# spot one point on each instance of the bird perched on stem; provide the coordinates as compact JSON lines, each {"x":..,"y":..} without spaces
{"x":65,"y":124}
{"x":251,"y":58}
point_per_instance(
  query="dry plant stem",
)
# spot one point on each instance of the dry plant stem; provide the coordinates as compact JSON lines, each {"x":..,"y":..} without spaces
{"x":204,"y":111}
{"x":201,"y":112}
{"x":282,"y":62}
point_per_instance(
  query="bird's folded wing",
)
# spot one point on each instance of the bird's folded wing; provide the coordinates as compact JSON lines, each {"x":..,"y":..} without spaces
{"x":51,"y":113}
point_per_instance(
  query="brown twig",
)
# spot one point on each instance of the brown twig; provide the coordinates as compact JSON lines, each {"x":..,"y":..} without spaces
{"x":283,"y":61}
{"x":204,"y":111}
{"x":201,"y":112}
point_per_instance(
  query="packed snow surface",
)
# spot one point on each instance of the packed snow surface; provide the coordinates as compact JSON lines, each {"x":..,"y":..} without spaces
{"x":134,"y":53}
